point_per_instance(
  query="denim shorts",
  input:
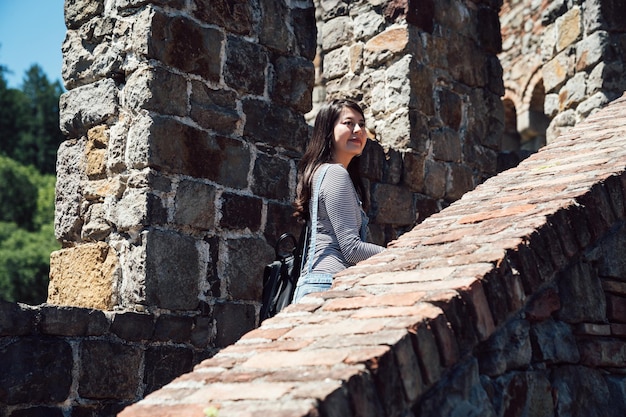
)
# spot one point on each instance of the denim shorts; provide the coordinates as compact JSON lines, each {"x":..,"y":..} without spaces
{"x":309,"y":283}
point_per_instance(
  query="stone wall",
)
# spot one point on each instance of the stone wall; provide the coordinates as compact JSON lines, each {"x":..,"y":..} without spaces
{"x":509,"y":302}
{"x":70,"y":361}
{"x":428,"y":77}
{"x":562,"y":60}
{"x":184,"y":122}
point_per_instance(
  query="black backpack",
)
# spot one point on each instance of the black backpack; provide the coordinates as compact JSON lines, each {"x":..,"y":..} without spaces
{"x":281,"y":276}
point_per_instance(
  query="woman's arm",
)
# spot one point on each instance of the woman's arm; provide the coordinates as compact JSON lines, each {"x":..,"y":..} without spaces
{"x":344,"y":212}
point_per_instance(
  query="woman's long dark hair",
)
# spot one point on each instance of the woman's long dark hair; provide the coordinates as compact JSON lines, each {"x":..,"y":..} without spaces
{"x":319,"y":151}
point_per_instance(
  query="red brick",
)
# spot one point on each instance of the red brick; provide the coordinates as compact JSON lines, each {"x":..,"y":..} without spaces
{"x":274,"y":360}
{"x":163,"y":410}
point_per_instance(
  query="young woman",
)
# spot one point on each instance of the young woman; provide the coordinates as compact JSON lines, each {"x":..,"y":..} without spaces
{"x":328,"y":174}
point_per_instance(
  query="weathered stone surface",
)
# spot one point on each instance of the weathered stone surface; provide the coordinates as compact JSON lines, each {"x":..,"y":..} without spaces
{"x":80,"y":11}
{"x":154,"y":88}
{"x":602,"y":352}
{"x":35,"y":370}
{"x":181,"y":43}
{"x":337,"y":63}
{"x":234,"y":16}
{"x":305,"y":30}
{"x":336,"y":32}
{"x":435,"y":179}
{"x":556,"y":71}
{"x":274,"y":32}
{"x":172,"y":270}
{"x":573,"y":92}
{"x":163,"y":364}
{"x":241,"y":212}
{"x":84,"y":276}
{"x":69,"y":190}
{"x":582,"y":298}
{"x":71,"y":321}
{"x":280,"y":220}
{"x":523,"y":393}
{"x":244,"y":69}
{"x":460,"y":181}
{"x":244,"y":273}
{"x":132,"y":326}
{"x":395,"y":205}
{"x":553,"y":342}
{"x":569,"y":28}
{"x":293,"y":83}
{"x":118,"y":379}
{"x":194,"y":205}
{"x":87,"y":106}
{"x":573,"y":398}
{"x":459,"y":393}
{"x":169,"y":327}
{"x":274,"y":125}
{"x":194,"y":153}
{"x":508,"y":348}
{"x":233,"y":321}
{"x":271,"y":177}
{"x":214,"y":109}
{"x":15,"y":319}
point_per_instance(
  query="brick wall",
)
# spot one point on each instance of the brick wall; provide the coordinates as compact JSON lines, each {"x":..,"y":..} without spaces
{"x":509,"y":302}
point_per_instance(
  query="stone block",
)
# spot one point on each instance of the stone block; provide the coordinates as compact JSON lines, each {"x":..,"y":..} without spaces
{"x":233,"y":321}
{"x":582,"y":296}
{"x":558,"y":70}
{"x":336,"y":32}
{"x":604,"y":15}
{"x":305,"y":30}
{"x":131,"y":326}
{"x":575,"y":398}
{"x":435,"y":179}
{"x":508,"y":348}
{"x":523,"y":393}
{"x":119,"y":379}
{"x":163,"y":364}
{"x":388,"y":382}
{"x":271,"y":177}
{"x":85,"y":107}
{"x":292,"y":83}
{"x":173,"y":328}
{"x":234,"y":16}
{"x":591,"y":50}
{"x":573,"y":92}
{"x":543,"y":304}
{"x":274,"y":29}
{"x":337,"y":63}
{"x":409,"y":368}
{"x":240,"y":212}
{"x":460,"y":393}
{"x":413,"y":171}
{"x":371,"y":161}
{"x":244,"y":272}
{"x":425,"y":345}
{"x":35,"y":370}
{"x":15,"y":319}
{"x":600,"y":215}
{"x":568,"y":28}
{"x":95,"y":227}
{"x":450,"y":108}
{"x":202,"y":332}
{"x":183,"y":44}
{"x":392,"y":171}
{"x":69,"y":190}
{"x":280,"y":220}
{"x":365,"y":400}
{"x":78,"y":12}
{"x":386,"y":45}
{"x":245,"y":66}
{"x":72,"y":321}
{"x":276,"y":126}
{"x":84,"y":276}
{"x":156,"y":89}
{"x":214,"y":109}
{"x":460,"y":181}
{"x":446,"y":145}
{"x":616,"y":308}
{"x":553,"y":343}
{"x":488,"y":26}
{"x":394,"y":205}
{"x":194,"y":153}
{"x":397,"y":91}
{"x":194,"y":205}
{"x":172,"y":270}
{"x":607,"y":76}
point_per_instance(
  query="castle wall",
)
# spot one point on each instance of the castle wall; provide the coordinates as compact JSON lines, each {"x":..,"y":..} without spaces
{"x":509,"y":302}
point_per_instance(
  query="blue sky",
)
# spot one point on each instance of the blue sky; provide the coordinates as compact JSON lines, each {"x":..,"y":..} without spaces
{"x":31,"y":32}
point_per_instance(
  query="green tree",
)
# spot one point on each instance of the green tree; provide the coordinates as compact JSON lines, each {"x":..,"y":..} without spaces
{"x":18,"y":193}
{"x":40,"y":135}
{"x":11,"y":120}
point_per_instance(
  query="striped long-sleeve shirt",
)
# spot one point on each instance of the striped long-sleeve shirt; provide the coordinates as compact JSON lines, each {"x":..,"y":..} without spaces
{"x":338,"y":244}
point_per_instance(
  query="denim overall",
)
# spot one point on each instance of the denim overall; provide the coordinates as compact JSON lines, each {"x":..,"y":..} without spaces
{"x":310,"y":282}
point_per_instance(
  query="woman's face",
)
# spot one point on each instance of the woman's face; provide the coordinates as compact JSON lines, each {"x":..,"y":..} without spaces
{"x":350,"y":136}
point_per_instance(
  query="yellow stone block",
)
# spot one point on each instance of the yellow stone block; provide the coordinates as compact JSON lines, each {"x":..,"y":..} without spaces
{"x":84,"y":276}
{"x":569,"y":29}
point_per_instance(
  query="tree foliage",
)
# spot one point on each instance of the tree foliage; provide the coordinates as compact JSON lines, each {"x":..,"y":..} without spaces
{"x":29,"y":139}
